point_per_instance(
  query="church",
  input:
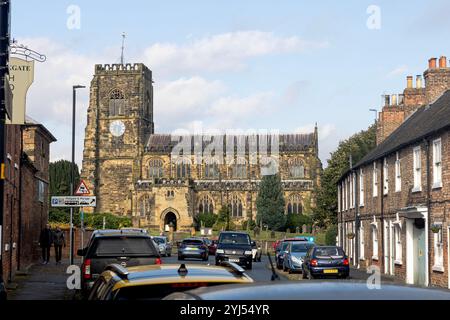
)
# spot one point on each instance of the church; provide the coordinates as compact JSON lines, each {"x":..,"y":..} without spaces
{"x":136,"y":172}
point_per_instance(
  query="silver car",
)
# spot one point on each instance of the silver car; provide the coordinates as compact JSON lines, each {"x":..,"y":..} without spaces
{"x":294,"y":255}
{"x":164,"y":245}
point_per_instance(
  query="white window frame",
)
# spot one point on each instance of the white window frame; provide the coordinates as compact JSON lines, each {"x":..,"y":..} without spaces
{"x":398,"y":246}
{"x":375,"y":180}
{"x":398,"y":174}
{"x":438,"y":251}
{"x":417,"y":168}
{"x":361,"y":187}
{"x":385,"y":177}
{"x":374,"y":235}
{"x":361,"y":243}
{"x":437,"y":163}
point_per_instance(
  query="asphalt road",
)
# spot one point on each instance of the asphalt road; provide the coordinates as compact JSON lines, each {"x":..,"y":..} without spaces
{"x":260,"y":270}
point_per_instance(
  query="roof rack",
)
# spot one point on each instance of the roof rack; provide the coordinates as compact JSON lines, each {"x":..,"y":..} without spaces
{"x":235,"y":267}
{"x":121,"y":271}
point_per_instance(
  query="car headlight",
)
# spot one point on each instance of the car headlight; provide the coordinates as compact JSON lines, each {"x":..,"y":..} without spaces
{"x":220,"y":251}
{"x":247,"y":252}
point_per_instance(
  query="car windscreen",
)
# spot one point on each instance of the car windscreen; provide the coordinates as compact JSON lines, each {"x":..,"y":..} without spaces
{"x":329,"y":252}
{"x":159,"y":240}
{"x":234,"y":238}
{"x":284,"y":246}
{"x":300,"y":247}
{"x":128,"y":246}
{"x":192,"y":242}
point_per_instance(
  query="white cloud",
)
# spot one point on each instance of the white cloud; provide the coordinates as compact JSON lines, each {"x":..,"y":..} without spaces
{"x":227,"y":51}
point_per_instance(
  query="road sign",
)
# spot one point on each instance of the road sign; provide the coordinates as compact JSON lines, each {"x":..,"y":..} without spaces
{"x":82,"y":189}
{"x":80,"y":202}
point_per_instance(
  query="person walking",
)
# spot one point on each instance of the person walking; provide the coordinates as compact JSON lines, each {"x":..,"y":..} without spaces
{"x":59,"y":241}
{"x":45,"y":242}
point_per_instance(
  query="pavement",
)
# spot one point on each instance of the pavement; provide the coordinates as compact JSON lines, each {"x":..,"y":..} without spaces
{"x":42,"y":282}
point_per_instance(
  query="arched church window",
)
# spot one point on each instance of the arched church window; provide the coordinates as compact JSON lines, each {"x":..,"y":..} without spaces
{"x":183,"y":168}
{"x":236,"y":206}
{"x":156,"y":169}
{"x":206,"y":205}
{"x":294,"y":205}
{"x":211,"y":170}
{"x":116,"y":103}
{"x":296,"y":169}
{"x":239,"y":169}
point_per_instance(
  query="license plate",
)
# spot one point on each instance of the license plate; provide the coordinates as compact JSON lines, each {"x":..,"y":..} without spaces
{"x":331,"y":271}
{"x":234,"y":260}
{"x":193,"y":249}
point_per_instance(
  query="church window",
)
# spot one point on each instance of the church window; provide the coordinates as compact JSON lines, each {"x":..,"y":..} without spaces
{"x":296,"y":169}
{"x":183,"y":168}
{"x":156,"y":168}
{"x":294,"y":205}
{"x":239,"y":169}
{"x":236,"y":206}
{"x":206,"y":205}
{"x":116,"y":103}
{"x":211,"y":170}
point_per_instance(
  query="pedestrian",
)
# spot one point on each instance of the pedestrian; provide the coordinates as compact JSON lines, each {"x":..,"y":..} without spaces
{"x":59,"y":241}
{"x":45,"y":242}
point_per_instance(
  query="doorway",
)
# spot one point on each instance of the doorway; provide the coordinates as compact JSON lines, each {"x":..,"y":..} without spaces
{"x":419,"y":252}
{"x":170,"y":219}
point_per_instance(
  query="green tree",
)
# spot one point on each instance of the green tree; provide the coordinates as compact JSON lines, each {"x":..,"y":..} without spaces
{"x":205,"y":219}
{"x":224,"y":221}
{"x":60,"y":176}
{"x":270,"y":203}
{"x":357,"y":146}
{"x":297,"y":220}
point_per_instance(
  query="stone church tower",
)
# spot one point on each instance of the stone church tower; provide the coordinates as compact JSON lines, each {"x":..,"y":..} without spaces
{"x":119,"y":122}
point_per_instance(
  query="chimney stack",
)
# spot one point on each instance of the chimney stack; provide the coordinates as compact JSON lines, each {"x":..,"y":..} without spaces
{"x":443,"y":62}
{"x":419,"y":82}
{"x":432,"y":63}
{"x":409,"y":82}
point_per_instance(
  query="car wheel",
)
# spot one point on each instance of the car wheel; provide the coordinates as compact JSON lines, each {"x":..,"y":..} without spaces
{"x":249,"y":266}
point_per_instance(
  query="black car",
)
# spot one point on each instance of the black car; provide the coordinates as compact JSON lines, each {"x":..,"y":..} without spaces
{"x":325,"y":261}
{"x":124,"y":247}
{"x":234,"y":247}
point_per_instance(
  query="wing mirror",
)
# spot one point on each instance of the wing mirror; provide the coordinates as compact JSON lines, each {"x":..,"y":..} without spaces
{"x":82,"y":252}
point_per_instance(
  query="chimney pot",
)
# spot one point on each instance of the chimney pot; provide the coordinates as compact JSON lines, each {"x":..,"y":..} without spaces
{"x":394,"y":100}
{"x":419,"y":81}
{"x":409,"y":82}
{"x":443,"y":62}
{"x":387,"y":100}
{"x":432,"y":63}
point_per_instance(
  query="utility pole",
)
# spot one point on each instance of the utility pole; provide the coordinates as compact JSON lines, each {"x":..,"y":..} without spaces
{"x":4,"y":71}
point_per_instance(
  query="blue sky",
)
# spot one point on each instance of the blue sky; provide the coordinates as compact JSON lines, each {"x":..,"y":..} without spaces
{"x":234,"y":64}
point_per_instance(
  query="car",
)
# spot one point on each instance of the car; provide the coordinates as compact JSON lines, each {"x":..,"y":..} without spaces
{"x":155,"y":282}
{"x":310,"y":290}
{"x":280,"y":250}
{"x":234,"y":246}
{"x":294,"y":255}
{"x":125,"y":247}
{"x":256,"y":252}
{"x":193,"y":248}
{"x":164,"y":245}
{"x":325,"y":261}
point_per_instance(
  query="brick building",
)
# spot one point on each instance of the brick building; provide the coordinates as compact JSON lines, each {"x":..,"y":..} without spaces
{"x":393,"y":206}
{"x":26,"y":194}
{"x":134,"y":172}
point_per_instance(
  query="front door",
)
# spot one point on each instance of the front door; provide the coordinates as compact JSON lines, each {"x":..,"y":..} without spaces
{"x":170,"y":220}
{"x":419,"y":252}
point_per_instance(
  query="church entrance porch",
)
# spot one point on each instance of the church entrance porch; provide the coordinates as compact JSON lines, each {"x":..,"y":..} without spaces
{"x":170,"y":218}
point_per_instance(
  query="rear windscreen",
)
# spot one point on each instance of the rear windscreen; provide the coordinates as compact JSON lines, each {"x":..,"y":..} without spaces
{"x":234,"y":238}
{"x":300,"y":247}
{"x":193,"y":242}
{"x":328,"y":252}
{"x":125,"y":246}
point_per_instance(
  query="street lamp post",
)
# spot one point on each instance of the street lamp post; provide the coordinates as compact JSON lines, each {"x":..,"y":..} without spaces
{"x":72,"y":173}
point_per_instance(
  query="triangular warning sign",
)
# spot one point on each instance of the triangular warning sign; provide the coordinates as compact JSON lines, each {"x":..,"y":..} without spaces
{"x":82,"y":189}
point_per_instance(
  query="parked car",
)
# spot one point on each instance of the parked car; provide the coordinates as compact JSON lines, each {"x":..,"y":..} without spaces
{"x":155,"y":282}
{"x":280,"y":250}
{"x":294,"y":255}
{"x":124,"y":247}
{"x":235,"y":247}
{"x":164,"y":245}
{"x":256,"y":251}
{"x":193,"y":248}
{"x":310,"y":290}
{"x":325,"y":261}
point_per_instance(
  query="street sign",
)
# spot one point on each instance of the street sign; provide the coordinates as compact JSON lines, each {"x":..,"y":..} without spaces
{"x":80,"y":202}
{"x":82,"y":189}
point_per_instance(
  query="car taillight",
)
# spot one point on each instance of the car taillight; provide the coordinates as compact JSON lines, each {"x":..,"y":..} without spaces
{"x":314,"y":262}
{"x":87,"y":269}
{"x":158,"y":261}
{"x":345,"y":262}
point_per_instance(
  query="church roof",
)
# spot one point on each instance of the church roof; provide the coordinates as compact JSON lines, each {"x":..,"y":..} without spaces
{"x":287,"y":142}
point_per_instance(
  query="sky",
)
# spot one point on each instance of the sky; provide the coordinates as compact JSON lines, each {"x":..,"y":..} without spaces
{"x":253,"y":64}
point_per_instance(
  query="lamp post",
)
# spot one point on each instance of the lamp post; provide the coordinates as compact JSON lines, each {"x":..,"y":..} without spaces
{"x":72,"y":173}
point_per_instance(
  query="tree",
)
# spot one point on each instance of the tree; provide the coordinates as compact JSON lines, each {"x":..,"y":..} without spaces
{"x":60,"y":176}
{"x":357,"y":146}
{"x":224,"y":221}
{"x":270,"y":203}
{"x":205,"y":219}
{"x":294,"y":220}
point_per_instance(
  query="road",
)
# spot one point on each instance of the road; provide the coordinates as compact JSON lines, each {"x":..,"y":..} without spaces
{"x":260,"y":271}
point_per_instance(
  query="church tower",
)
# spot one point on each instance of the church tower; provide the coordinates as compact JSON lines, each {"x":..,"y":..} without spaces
{"x":119,"y":122}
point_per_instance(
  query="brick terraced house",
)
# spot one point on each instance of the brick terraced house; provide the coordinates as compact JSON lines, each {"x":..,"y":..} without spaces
{"x":394,"y":205}
{"x":133,"y":171}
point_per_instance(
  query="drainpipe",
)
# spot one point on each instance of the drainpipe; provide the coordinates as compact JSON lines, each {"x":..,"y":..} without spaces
{"x":357,"y":222}
{"x":427,"y":145}
{"x":381,"y":195}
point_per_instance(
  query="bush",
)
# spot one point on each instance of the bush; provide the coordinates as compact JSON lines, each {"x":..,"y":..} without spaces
{"x":207,"y":219}
{"x":330,"y":235}
{"x":297,"y":220}
{"x":251,"y":224}
{"x":91,"y":220}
